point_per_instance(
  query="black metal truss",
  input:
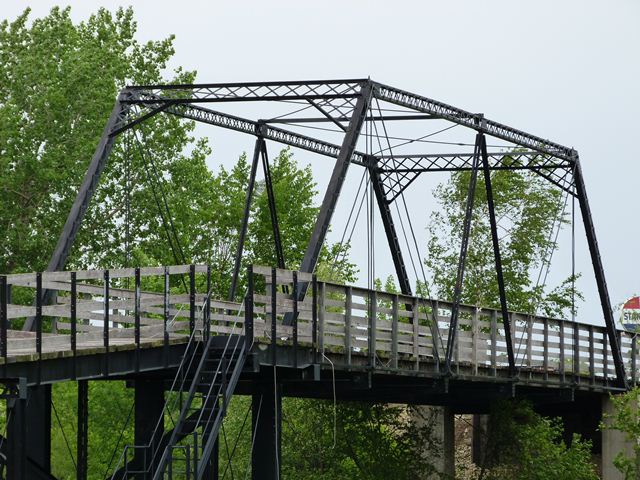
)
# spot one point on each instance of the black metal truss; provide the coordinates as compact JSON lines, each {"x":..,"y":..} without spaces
{"x":253,"y":91}
{"x":399,"y":171}
{"x":472,"y":120}
{"x":345,"y":103}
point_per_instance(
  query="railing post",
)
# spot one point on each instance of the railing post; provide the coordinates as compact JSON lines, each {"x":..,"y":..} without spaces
{"x":274,"y":308}
{"x":165,"y":313}
{"x":105,"y":321}
{"x":530,"y":319}
{"x":321,"y":294}
{"x":605,"y":357}
{"x":592,"y":356}
{"x":136,"y":316}
{"x":4,"y":317}
{"x":192,"y":298}
{"x":314,"y":316}
{"x":74,"y":324}
{"x":545,"y":352}
{"x":248,"y":308}
{"x":494,"y":342}
{"x":39,"y":323}
{"x":295,"y":319}
{"x":207,"y":313}
{"x":576,"y":352}
{"x":416,"y":332}
{"x":394,"y":332}
{"x":373,"y":312}
{"x":562,"y":376}
{"x":474,"y":340}
{"x":634,"y":365}
{"x":347,"y":323}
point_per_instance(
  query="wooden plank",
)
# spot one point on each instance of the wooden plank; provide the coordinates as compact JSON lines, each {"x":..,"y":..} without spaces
{"x":347,"y":325}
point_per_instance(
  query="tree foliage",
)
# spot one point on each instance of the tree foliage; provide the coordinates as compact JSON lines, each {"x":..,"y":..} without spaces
{"x":523,"y":445}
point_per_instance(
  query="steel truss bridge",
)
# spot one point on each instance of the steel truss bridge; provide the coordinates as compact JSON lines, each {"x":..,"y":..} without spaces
{"x":315,"y":338}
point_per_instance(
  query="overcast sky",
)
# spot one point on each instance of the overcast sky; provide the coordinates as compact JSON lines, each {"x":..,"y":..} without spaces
{"x":567,"y":71}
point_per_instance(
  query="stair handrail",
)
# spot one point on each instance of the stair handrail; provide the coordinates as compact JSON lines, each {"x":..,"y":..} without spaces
{"x":180,"y":372}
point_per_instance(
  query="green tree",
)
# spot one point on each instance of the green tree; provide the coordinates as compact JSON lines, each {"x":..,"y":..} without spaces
{"x":528,"y":209}
{"x":523,"y":445}
{"x":54,"y":107}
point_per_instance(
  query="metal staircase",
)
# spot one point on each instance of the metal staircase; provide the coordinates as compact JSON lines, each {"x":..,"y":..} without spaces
{"x":201,"y":392}
{"x":203,"y":410}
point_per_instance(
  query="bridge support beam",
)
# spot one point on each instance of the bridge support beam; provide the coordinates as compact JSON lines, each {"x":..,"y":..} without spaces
{"x":438,"y":423}
{"x":82,"y":432}
{"x":39,"y":426}
{"x":17,"y":439}
{"x":267,"y":423}
{"x":149,"y":404}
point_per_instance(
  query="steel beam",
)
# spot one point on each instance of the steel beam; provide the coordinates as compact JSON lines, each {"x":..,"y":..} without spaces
{"x":496,"y":253}
{"x":389,"y":229}
{"x":272,"y":207}
{"x":84,"y":195}
{"x":462,"y":260}
{"x":17,"y":445}
{"x":471,"y":120}
{"x":82,"y":433}
{"x":148,"y":409}
{"x":598,"y":270}
{"x":245,"y":217}
{"x":266,"y":451}
{"x":336,"y":181}
{"x":252,"y":91}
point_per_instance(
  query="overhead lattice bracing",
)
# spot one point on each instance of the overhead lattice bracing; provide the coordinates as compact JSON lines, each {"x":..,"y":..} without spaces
{"x":342,"y":119}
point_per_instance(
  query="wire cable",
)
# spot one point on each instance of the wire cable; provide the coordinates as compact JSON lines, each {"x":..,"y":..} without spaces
{"x":64,"y":436}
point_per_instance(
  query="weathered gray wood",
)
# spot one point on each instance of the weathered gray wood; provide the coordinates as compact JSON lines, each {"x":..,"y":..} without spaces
{"x":347,"y":325}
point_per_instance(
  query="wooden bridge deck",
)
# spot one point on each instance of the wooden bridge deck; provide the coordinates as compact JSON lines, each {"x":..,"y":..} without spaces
{"x":99,"y":311}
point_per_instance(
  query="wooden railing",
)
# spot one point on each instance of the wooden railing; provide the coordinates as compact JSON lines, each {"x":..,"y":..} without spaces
{"x":411,"y":332}
{"x":102,"y":309}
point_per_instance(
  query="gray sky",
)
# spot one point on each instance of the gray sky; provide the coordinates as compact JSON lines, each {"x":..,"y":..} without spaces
{"x":567,"y":71}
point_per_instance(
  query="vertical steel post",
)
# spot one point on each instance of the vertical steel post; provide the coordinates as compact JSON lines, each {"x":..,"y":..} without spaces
{"x":82,"y":443}
{"x":207,"y":306}
{"x":192,"y":298}
{"x":466,"y":230}
{"x":314,"y":316}
{"x":295,"y":319}
{"x":245,"y":217}
{"x":274,"y":309}
{"x":136,"y":315}
{"x":105,"y":320}
{"x":4,"y":317}
{"x":248,"y":308}
{"x":272,"y":207}
{"x":165,"y":313}
{"x":480,"y":138}
{"x":74,"y":323}
{"x":39,"y":323}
